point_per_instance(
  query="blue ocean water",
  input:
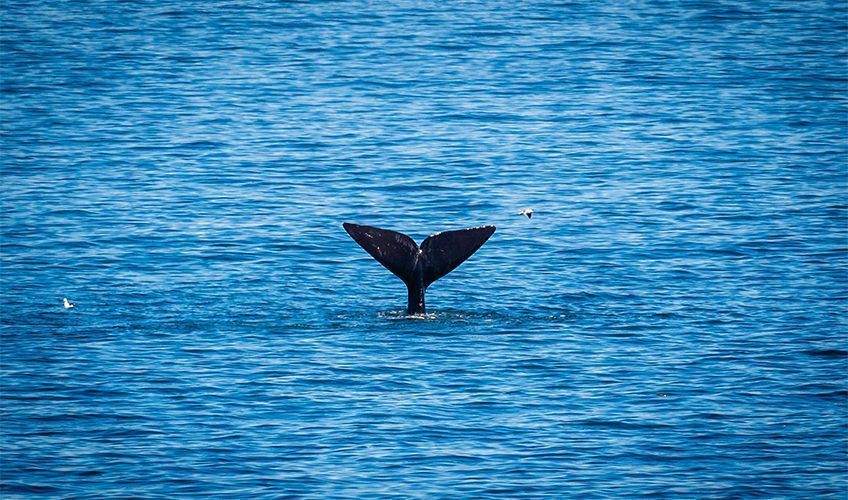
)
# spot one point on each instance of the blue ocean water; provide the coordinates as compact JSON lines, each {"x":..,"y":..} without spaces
{"x":671,"y":322}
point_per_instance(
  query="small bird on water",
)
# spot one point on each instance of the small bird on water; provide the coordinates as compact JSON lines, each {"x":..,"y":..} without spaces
{"x":68,"y":303}
{"x":528,"y":212}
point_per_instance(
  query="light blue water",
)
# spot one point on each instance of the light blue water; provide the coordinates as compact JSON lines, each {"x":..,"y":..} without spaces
{"x":672,"y":321}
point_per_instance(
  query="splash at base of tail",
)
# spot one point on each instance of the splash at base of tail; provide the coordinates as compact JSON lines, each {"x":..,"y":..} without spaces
{"x":419,"y":267}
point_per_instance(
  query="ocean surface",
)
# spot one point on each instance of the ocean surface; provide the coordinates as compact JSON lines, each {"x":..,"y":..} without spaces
{"x":670,"y":323}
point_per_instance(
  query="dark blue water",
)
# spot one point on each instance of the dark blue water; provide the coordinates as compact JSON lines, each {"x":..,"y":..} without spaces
{"x":671,"y":322}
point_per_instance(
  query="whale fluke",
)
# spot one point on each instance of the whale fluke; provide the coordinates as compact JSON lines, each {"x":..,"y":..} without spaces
{"x":416,"y":266}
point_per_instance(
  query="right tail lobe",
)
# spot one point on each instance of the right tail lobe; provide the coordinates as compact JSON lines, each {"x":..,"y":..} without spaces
{"x":444,"y":252}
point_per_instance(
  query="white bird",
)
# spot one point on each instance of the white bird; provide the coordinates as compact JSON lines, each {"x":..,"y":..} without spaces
{"x":68,"y":303}
{"x":528,"y":212}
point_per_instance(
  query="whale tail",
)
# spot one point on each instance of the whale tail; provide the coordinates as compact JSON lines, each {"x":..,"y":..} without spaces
{"x":416,"y":266}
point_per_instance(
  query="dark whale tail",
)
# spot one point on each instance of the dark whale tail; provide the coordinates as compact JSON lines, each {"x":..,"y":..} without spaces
{"x":419,"y":267}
